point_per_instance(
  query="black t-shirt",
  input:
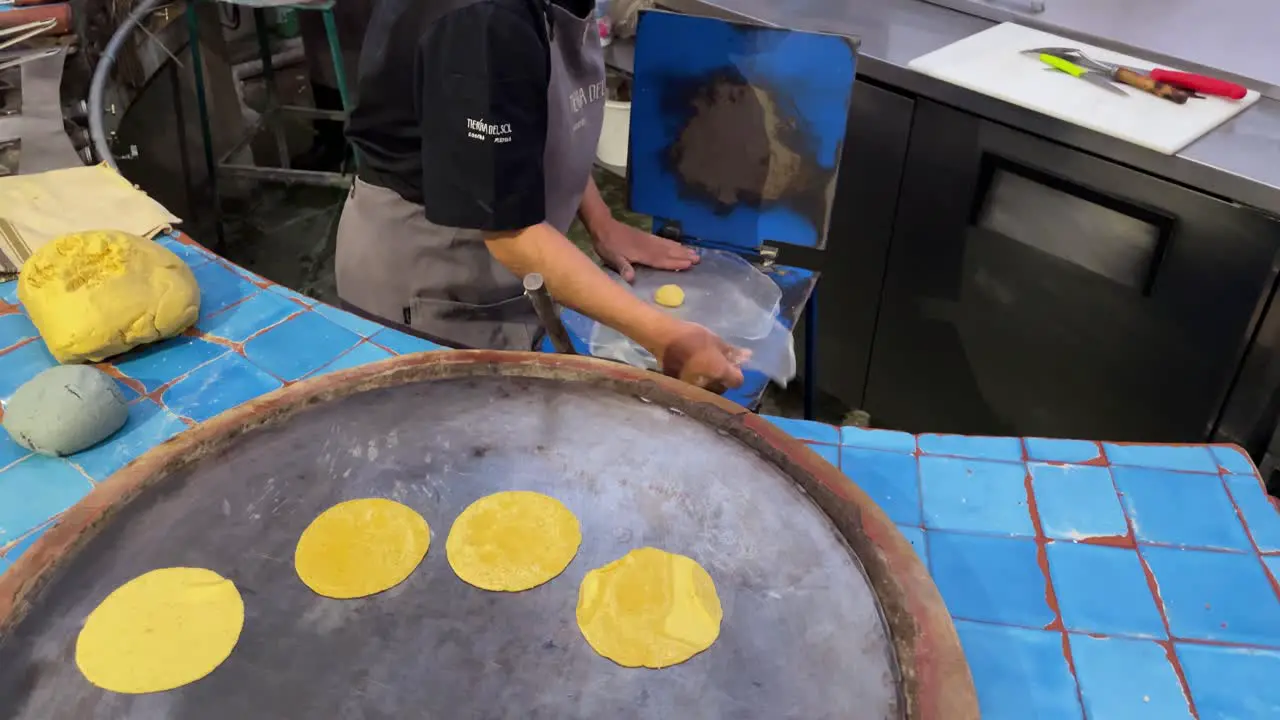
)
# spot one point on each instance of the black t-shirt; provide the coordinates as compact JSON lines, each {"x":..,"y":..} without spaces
{"x":453,"y":109}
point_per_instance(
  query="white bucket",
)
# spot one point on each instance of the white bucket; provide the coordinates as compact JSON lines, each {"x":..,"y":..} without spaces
{"x":612,"y":148}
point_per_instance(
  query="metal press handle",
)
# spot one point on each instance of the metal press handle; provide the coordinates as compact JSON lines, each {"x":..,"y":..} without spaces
{"x":535,"y":289}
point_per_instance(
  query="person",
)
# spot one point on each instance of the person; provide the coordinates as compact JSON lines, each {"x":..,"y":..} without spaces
{"x":475,"y":133}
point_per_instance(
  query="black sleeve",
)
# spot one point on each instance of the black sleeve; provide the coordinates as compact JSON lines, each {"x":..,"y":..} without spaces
{"x":483,"y":116}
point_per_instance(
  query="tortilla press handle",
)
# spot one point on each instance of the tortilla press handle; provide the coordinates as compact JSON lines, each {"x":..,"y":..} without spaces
{"x":536,"y":290}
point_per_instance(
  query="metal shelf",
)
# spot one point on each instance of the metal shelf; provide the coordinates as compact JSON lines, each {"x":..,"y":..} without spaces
{"x":621,"y":55}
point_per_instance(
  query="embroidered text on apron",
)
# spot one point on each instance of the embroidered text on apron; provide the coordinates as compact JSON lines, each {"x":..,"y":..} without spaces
{"x":393,"y":263}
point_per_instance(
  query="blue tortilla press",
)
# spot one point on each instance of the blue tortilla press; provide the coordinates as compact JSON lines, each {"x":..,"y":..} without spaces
{"x":735,"y":142}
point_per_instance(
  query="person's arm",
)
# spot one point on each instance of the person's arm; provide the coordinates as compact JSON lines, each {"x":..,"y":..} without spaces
{"x":594,"y":213}
{"x":575,"y":281}
{"x":684,"y":350}
{"x":621,"y":245}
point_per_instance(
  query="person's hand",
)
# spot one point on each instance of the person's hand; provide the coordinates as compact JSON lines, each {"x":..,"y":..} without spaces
{"x":622,"y":247}
{"x":699,"y":357}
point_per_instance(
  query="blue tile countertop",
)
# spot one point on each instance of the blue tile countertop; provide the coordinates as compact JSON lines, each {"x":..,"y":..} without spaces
{"x":1086,"y":580}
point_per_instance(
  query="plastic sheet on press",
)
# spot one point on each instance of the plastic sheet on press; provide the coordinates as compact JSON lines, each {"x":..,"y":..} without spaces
{"x":773,"y":354}
{"x":723,"y":293}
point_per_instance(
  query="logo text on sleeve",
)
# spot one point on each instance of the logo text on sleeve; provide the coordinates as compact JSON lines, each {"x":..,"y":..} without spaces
{"x":485,"y":131}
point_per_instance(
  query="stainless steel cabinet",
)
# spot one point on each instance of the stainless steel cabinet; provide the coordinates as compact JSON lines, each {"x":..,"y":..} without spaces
{"x":1036,"y":290}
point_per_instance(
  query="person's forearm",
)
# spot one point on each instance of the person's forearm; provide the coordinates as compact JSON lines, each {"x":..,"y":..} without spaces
{"x":575,"y":281}
{"x":593,"y":211}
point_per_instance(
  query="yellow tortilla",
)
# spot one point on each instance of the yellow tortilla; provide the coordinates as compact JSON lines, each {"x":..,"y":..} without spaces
{"x":160,"y":631}
{"x":361,"y":547}
{"x":649,"y":608}
{"x":512,"y":541}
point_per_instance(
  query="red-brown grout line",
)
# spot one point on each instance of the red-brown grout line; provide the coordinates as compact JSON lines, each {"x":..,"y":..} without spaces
{"x":1071,"y":666}
{"x":1100,"y":460}
{"x":19,"y":344}
{"x":115,"y":373}
{"x":396,"y":354}
{"x":1050,"y":595}
{"x":1125,"y":541}
{"x":928,"y":563}
{"x":1167,"y":644}
{"x":1125,"y":636}
{"x":1042,"y":555}
{"x":302,"y":309}
{"x":1248,"y":532}
{"x":1154,"y":587}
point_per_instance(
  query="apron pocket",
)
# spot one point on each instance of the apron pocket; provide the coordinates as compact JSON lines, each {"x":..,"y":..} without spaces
{"x":507,"y":325}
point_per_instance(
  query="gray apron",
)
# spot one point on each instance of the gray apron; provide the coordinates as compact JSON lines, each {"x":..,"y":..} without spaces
{"x":394,"y":264}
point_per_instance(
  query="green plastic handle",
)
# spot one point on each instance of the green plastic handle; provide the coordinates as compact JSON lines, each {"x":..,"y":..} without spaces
{"x":1066,"y":67}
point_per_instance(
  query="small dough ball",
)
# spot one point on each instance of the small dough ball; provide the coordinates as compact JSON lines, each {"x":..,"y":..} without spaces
{"x":65,"y":409}
{"x":649,"y":608}
{"x":669,"y":296}
{"x":96,"y":294}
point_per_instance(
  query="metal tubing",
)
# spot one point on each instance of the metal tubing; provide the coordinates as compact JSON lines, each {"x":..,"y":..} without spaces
{"x":535,"y":289}
{"x":288,"y":175}
{"x":339,"y":68}
{"x":269,"y":80}
{"x":97,"y":87}
{"x":251,"y":69}
{"x":335,"y":50}
{"x":202,"y":105}
{"x":180,"y":120}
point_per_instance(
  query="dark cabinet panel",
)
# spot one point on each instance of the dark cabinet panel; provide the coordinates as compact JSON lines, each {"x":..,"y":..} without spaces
{"x":1252,"y":411}
{"x":862,"y":216}
{"x":1036,"y":290}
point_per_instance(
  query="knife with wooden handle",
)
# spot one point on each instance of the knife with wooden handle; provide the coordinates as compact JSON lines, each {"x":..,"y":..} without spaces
{"x":1149,"y":84}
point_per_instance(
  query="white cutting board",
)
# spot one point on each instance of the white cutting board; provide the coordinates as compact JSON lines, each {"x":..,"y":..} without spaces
{"x":992,"y":63}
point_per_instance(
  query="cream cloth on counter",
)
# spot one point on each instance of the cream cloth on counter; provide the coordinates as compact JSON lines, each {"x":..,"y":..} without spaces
{"x":35,"y":209}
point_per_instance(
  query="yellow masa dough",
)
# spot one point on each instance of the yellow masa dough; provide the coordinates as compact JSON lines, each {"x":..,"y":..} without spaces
{"x":671,"y":296}
{"x":96,"y":294}
{"x":361,"y":547}
{"x":650,"y":608}
{"x":512,"y":541}
{"x":160,"y":630}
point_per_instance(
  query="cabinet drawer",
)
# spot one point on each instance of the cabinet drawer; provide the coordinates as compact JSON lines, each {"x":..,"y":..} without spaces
{"x":1036,"y":290}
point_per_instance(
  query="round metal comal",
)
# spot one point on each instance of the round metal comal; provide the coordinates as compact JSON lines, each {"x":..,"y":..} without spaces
{"x":828,"y":612}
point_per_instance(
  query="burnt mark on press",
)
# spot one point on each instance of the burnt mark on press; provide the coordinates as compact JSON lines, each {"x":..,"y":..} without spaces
{"x":742,"y":143}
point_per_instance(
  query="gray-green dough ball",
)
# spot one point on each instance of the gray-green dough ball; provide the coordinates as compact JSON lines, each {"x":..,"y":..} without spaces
{"x":64,"y":410}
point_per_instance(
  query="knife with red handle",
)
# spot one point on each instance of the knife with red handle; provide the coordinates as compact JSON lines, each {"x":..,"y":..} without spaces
{"x":1200,"y":83}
